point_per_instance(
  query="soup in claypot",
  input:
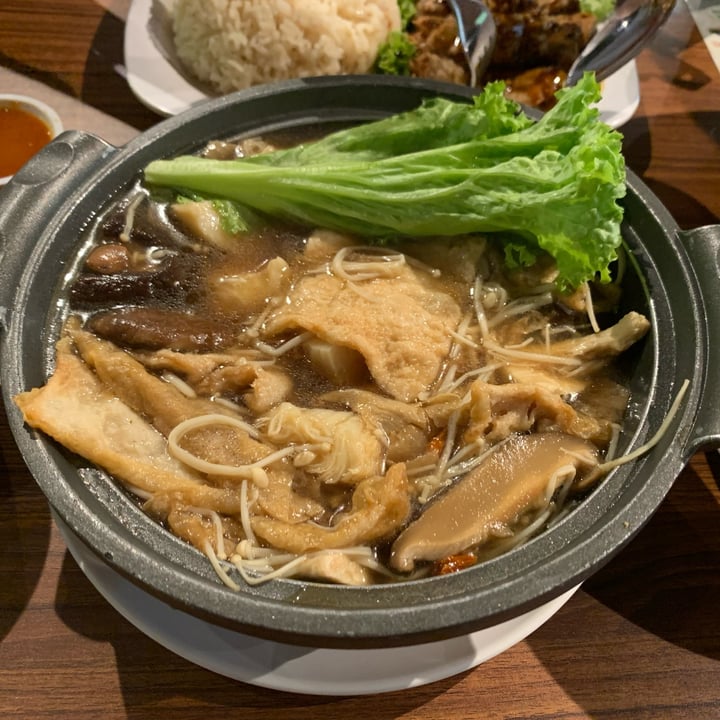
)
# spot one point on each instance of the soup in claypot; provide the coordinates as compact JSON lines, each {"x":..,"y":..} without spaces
{"x":299,"y":403}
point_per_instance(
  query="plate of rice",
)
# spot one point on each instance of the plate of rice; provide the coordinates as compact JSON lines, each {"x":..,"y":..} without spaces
{"x":182,"y":52}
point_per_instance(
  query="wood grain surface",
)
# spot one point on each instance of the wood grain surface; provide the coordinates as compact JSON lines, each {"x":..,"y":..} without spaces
{"x":640,"y":640}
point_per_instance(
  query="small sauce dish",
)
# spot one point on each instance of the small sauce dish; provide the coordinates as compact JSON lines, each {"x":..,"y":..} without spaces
{"x":26,"y":125}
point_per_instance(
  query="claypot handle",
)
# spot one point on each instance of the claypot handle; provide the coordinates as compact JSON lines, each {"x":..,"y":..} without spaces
{"x":703,"y":247}
{"x":30,"y":201}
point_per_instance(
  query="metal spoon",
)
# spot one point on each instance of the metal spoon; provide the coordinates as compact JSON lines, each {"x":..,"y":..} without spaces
{"x":477,"y":34}
{"x":620,"y":38}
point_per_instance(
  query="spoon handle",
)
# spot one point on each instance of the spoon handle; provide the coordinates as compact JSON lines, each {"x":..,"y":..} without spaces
{"x":477,"y":34}
{"x":620,"y":38}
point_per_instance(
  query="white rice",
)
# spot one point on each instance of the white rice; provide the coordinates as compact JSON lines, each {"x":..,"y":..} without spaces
{"x":233,"y":44}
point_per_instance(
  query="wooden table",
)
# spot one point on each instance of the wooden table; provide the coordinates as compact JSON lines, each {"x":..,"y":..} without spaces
{"x":640,"y":640}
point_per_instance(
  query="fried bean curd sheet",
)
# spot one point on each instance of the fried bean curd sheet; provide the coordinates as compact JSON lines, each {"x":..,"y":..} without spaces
{"x":147,"y":394}
{"x":498,"y":411}
{"x":404,"y":427}
{"x":166,"y":407}
{"x":401,"y":325}
{"x":206,"y":373}
{"x":196,"y":525}
{"x":334,"y":567}
{"x":380,"y":507}
{"x":217,"y":374}
{"x":78,"y":411}
{"x":342,"y":447}
{"x":607,"y":343}
{"x":90,"y":413}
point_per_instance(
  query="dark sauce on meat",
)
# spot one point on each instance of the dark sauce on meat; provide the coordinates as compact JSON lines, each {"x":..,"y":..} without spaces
{"x":537,"y":42}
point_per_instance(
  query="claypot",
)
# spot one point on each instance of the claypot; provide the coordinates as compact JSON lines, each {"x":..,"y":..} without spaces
{"x":673,"y":279}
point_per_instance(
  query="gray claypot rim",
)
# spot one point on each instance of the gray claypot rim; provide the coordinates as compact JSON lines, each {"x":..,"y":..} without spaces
{"x":309,"y":613}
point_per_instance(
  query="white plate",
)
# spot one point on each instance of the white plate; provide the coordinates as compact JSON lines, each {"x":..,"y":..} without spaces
{"x":157,"y":79}
{"x":291,"y":668}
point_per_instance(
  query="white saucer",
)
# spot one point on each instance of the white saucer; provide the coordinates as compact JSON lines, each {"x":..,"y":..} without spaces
{"x":291,"y":668}
{"x":156,"y":78}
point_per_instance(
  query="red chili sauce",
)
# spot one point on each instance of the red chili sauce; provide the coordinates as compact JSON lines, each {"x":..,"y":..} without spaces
{"x":22,"y":134}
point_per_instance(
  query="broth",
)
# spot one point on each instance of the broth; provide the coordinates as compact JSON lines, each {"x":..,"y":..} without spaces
{"x":294,"y":402}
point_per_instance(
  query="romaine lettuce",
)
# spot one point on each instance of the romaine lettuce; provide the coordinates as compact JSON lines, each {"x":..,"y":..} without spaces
{"x":446,"y":168}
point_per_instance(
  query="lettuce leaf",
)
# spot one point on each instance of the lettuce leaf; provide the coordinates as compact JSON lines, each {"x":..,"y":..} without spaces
{"x":437,"y":124}
{"x":446,"y":168}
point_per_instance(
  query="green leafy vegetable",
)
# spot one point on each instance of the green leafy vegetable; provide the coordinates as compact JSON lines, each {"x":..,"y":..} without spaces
{"x":395,"y":54}
{"x":437,"y":124}
{"x":599,"y":8}
{"x":407,"y":11}
{"x":446,"y":168}
{"x":235,"y":218}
